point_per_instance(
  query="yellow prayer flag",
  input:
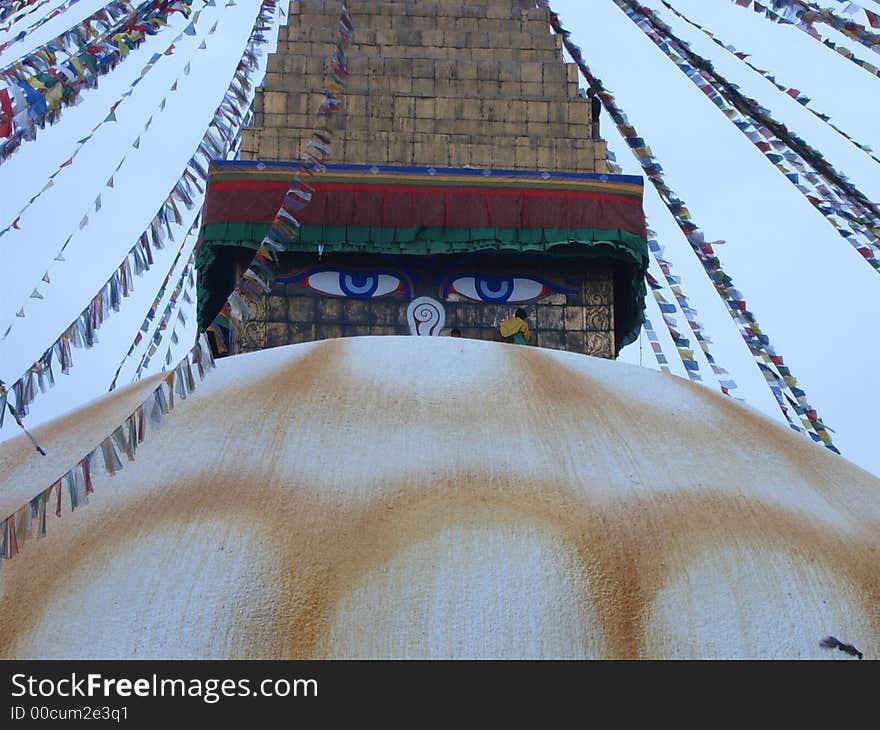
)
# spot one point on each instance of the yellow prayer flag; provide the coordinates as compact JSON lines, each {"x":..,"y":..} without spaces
{"x":53,"y":96}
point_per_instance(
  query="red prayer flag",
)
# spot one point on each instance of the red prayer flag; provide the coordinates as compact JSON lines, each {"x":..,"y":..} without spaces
{"x":5,"y":113}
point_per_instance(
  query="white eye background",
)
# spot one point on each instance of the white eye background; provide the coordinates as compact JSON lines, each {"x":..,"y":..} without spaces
{"x":498,"y":289}
{"x":356,"y":285}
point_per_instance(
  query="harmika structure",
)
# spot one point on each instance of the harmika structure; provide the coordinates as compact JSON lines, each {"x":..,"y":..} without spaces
{"x":467,"y":181}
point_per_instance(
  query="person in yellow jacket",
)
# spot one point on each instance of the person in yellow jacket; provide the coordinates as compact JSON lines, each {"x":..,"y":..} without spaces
{"x":516,"y":329}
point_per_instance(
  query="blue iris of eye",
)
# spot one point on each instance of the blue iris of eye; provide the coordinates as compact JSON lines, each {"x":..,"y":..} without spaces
{"x":494,"y":288}
{"x":358,"y":284}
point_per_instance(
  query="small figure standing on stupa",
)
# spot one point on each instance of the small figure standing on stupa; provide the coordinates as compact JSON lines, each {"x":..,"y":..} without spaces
{"x":516,"y":329}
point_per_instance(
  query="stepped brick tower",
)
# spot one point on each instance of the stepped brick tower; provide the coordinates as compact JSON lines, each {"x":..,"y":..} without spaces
{"x":440,"y":83}
{"x":466,"y":173}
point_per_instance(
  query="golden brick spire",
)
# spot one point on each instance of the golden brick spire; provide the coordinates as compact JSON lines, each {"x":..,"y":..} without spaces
{"x":433,"y":82}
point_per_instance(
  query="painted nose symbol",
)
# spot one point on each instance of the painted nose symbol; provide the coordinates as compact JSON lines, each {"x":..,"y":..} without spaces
{"x":426,"y":317}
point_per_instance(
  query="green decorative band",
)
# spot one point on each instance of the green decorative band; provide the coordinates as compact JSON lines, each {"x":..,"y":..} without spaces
{"x":421,"y":240}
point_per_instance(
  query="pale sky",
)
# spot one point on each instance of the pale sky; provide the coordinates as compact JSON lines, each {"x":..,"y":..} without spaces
{"x":812,"y":293}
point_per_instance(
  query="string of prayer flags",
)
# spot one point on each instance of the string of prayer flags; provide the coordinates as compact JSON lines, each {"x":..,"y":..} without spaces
{"x":849,"y":210}
{"x":83,"y":330}
{"x":151,"y":314}
{"x":756,"y":340}
{"x":6,"y":405}
{"x":258,"y":278}
{"x":216,"y":142}
{"x":793,"y":93}
{"x":193,"y":178}
{"x":110,"y":118}
{"x":656,"y":347}
{"x":804,"y":23}
{"x":808,"y":13}
{"x":52,"y":76}
{"x":682,"y":343}
{"x":78,"y":482}
{"x":6,"y":11}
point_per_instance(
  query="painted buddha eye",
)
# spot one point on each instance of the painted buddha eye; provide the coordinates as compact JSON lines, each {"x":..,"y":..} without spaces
{"x":500,"y":289}
{"x":354,"y":284}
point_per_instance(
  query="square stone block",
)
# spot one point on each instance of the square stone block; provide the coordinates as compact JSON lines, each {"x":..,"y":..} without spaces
{"x":549,"y":317}
{"x":575,"y":342}
{"x":553,"y":339}
{"x":301,"y":332}
{"x":302,"y":309}
{"x":328,"y":331}
{"x":357,"y":311}
{"x":574,"y":318}
{"x":329,"y":310}
{"x":276,"y":334}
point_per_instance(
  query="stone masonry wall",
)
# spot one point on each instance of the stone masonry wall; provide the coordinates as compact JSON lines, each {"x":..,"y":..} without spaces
{"x":582,"y":321}
{"x":433,"y":82}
